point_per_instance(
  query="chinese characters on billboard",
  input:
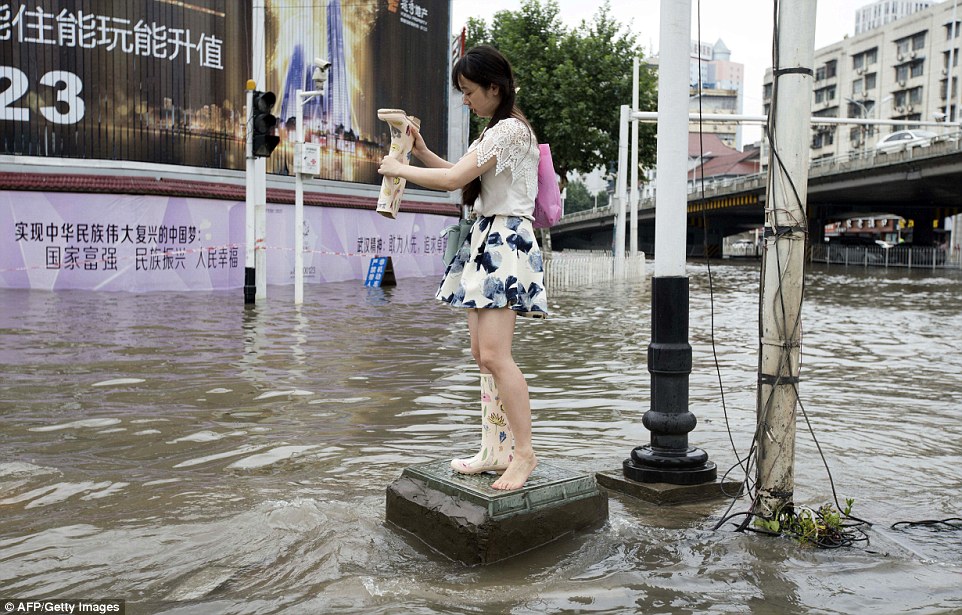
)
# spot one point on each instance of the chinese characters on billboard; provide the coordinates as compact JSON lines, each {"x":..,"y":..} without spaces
{"x":60,"y":240}
{"x":151,"y":81}
{"x":164,"y":81}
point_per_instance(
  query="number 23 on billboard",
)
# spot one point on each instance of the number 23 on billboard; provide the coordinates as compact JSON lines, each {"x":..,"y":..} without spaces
{"x":70,"y":107}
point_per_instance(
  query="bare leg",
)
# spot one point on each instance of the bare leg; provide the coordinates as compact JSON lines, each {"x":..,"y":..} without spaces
{"x":494,"y":332}
{"x":473,"y":331}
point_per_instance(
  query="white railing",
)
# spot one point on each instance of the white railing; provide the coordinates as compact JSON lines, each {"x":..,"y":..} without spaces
{"x":723,"y":184}
{"x":741,"y":250}
{"x":939,"y":145}
{"x":584,"y":268}
{"x":877,"y":256}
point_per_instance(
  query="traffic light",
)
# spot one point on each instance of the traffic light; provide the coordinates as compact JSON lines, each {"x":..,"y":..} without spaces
{"x":263,"y":140}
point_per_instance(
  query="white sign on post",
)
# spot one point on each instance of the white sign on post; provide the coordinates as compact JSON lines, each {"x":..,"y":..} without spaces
{"x":311,"y":158}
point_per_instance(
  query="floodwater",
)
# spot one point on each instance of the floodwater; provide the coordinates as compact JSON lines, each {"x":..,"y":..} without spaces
{"x":188,"y":455}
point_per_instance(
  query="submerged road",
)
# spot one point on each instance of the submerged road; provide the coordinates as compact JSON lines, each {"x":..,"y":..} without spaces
{"x":189,"y":456}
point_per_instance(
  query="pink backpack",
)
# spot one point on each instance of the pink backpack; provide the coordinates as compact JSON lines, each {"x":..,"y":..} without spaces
{"x":547,"y":205}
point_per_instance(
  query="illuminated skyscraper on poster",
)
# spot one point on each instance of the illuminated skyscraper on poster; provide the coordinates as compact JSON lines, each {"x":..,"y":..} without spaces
{"x":383,"y":53}
{"x":337,"y":100}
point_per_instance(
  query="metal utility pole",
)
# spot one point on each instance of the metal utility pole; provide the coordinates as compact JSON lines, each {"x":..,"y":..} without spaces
{"x":299,"y":200}
{"x":621,"y":184}
{"x":669,"y":458}
{"x":301,"y":161}
{"x":953,"y":32}
{"x":633,"y":200}
{"x":250,"y":288}
{"x":958,"y":88}
{"x":260,"y":164}
{"x":783,"y":260}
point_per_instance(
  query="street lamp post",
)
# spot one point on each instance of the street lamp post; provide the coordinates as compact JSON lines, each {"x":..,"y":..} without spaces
{"x":878,"y":107}
{"x":319,"y":76}
{"x":864,"y":115}
{"x":668,"y":458}
{"x":865,"y":112}
{"x":948,"y":93}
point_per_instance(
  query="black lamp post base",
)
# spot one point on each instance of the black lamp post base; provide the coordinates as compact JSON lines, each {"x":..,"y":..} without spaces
{"x":689,"y":467}
{"x":669,"y":459}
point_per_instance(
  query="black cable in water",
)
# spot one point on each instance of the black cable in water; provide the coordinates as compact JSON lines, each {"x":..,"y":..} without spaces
{"x":743,"y":463}
{"x":704,"y":215}
{"x":951,"y":523}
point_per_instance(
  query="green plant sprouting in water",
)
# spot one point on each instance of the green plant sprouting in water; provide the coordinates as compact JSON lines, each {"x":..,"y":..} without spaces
{"x":823,"y":527}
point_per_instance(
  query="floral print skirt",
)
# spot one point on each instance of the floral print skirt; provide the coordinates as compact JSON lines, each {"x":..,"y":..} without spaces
{"x":499,"y":265}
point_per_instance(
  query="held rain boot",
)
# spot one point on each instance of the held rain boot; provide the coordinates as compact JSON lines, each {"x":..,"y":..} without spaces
{"x":402,"y":141}
{"x":497,"y":441}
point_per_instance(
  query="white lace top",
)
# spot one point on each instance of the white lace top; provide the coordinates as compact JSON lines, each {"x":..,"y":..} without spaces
{"x":509,"y":188}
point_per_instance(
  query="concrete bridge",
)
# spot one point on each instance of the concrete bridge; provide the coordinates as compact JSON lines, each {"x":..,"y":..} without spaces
{"x":923,"y":184}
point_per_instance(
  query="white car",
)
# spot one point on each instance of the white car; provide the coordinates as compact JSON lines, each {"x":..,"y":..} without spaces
{"x":904,"y":139}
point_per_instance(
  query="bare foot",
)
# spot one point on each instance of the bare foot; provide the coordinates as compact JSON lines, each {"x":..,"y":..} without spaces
{"x":517,"y":473}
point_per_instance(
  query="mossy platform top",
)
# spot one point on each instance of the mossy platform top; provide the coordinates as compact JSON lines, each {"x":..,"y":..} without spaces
{"x":547,"y":485}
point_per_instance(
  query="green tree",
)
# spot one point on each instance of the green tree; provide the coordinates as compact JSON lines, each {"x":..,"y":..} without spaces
{"x":577,"y":197}
{"x":602,"y":198}
{"x":572,"y":82}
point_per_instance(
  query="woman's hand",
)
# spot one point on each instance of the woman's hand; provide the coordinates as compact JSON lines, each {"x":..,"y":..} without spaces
{"x":390,"y":167}
{"x":419,"y":148}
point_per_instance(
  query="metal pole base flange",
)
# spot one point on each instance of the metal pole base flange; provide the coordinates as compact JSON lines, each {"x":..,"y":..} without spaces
{"x":649,"y":465}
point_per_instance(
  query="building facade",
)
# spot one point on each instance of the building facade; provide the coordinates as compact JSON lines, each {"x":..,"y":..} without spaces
{"x":904,"y":70}
{"x":877,"y":14}
{"x":720,"y":89}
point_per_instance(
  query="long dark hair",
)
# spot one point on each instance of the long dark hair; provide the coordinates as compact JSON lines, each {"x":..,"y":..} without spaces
{"x":486,"y":66}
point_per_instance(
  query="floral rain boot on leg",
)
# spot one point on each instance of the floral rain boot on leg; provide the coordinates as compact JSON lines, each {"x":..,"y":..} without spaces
{"x":497,"y":441}
{"x":402,"y":141}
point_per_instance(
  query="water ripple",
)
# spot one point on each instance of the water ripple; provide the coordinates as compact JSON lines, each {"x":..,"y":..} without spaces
{"x":193,"y":455}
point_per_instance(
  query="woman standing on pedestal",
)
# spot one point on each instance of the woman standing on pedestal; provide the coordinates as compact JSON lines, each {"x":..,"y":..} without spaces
{"x":498,"y":273}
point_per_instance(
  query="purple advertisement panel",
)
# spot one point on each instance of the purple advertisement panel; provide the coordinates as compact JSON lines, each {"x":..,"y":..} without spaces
{"x":60,"y":240}
{"x":339,"y":243}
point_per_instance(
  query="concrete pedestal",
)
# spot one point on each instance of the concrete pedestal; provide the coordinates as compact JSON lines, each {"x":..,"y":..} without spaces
{"x":665,"y":493}
{"x":463,"y":518}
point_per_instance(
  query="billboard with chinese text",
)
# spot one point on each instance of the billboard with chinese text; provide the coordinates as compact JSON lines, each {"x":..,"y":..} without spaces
{"x":154,"y":81}
{"x":164,"y":80}
{"x":62,"y":240}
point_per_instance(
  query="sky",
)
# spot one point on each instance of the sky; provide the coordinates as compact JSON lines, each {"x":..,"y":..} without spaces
{"x":745,"y":26}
